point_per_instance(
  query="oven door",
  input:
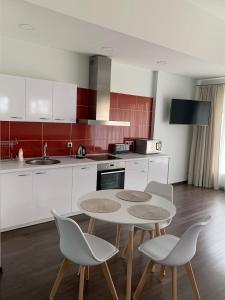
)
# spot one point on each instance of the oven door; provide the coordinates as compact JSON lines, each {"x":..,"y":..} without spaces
{"x":110,"y":179}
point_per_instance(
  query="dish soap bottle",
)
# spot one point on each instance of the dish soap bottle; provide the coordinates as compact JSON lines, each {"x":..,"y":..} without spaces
{"x":20,"y":154}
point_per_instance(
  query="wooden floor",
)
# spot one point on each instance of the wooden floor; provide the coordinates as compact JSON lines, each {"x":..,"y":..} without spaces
{"x":31,"y":257}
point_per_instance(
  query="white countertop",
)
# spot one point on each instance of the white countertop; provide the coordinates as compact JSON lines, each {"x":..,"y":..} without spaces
{"x":14,"y":165}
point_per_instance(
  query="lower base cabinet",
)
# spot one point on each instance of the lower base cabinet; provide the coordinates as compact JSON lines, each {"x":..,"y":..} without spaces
{"x":84,"y":181}
{"x":158,"y":169}
{"x":52,"y":189}
{"x":17,"y":206}
{"x":28,"y":197}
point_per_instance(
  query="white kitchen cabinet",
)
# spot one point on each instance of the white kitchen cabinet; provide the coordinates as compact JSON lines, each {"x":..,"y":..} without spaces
{"x":52,"y":190}
{"x":64,"y":102}
{"x":39,"y":100}
{"x":12,"y":98}
{"x":17,"y":207}
{"x":136,"y":174}
{"x":84,"y":181}
{"x":158,"y":169}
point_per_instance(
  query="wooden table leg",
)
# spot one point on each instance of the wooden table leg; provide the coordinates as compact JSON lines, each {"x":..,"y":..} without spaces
{"x":117,"y":243}
{"x":157,"y":229}
{"x":129,"y":262}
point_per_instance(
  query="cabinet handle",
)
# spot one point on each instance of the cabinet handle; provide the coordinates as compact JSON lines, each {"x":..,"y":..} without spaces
{"x":44,"y":118}
{"x":59,"y":119}
{"x":136,"y":162}
{"x":142,"y":171}
{"x":22,"y":175}
{"x":85,"y":168}
{"x":40,"y":173}
{"x":15,"y":117}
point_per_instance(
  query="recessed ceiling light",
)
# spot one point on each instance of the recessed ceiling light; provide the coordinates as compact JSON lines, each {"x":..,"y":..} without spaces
{"x":106,"y":48}
{"x":26,"y":26}
{"x":161,"y":62}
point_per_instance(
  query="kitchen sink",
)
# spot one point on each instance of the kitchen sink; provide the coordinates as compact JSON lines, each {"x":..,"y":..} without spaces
{"x":42,"y":161}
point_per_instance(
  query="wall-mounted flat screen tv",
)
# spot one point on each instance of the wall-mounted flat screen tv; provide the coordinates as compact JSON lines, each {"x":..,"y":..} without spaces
{"x":191,"y":112}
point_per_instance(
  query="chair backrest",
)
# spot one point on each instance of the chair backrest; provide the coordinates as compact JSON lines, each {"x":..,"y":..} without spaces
{"x":161,"y":189}
{"x":185,"y":249}
{"x":73,"y":243}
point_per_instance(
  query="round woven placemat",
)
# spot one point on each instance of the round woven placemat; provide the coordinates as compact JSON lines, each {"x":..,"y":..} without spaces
{"x":133,"y":196}
{"x":100,"y":205}
{"x":148,"y":212}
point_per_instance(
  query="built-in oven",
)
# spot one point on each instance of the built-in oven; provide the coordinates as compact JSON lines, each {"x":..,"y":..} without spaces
{"x":111,"y":175}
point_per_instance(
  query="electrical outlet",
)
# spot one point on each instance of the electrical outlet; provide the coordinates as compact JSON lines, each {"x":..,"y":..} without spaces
{"x":69,"y":145}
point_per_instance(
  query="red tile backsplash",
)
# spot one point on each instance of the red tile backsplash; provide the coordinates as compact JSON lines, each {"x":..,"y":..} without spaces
{"x":56,"y":131}
{"x":26,"y":131}
{"x":31,"y":135}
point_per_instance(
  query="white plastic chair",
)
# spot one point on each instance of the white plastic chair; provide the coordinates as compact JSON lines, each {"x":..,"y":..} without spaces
{"x":163,"y":190}
{"x":169,"y":250}
{"x":160,"y":189}
{"x":82,"y":249}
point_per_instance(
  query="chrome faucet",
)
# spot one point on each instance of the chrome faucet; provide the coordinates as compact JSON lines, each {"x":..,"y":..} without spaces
{"x":45,"y":151}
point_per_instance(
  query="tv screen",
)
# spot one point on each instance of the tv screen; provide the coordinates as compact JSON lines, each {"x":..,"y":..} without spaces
{"x":190,"y":112}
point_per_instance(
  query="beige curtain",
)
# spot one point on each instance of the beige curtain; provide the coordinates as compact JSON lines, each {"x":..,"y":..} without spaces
{"x":205,"y":147}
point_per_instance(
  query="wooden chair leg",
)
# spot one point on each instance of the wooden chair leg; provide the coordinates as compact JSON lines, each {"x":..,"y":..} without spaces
{"x":174,"y":283}
{"x":107,"y":275}
{"x":59,"y":277}
{"x":162,"y":273}
{"x":152,"y":234}
{"x":142,"y":281}
{"x":142,"y":237}
{"x":163,"y":231}
{"x":117,"y":243}
{"x":81,"y":283}
{"x":191,"y":276}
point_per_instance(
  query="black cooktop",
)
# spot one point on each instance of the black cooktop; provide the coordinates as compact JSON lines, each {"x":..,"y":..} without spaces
{"x":102,"y":157}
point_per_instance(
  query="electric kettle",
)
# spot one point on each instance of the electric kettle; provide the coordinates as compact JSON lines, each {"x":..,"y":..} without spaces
{"x":81,"y":152}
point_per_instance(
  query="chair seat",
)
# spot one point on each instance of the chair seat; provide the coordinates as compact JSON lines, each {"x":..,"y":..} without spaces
{"x":102,"y":249}
{"x":159,"y":248}
{"x":149,"y":227}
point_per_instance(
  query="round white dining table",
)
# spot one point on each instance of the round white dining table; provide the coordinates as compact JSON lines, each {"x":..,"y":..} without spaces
{"x":123,"y":217}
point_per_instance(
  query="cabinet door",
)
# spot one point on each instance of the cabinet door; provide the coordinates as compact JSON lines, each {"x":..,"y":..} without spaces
{"x":17,"y":206}
{"x":158,"y":169}
{"x":84,"y":181}
{"x":136,"y":179}
{"x":38,"y":100}
{"x":136,"y":174}
{"x":52,"y":190}
{"x":12,"y":98}
{"x":64,"y":102}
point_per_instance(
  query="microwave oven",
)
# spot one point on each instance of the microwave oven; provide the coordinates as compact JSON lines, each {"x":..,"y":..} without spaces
{"x":144,"y":146}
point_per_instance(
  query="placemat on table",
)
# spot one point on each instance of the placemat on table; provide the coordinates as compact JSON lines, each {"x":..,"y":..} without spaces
{"x":133,"y":196}
{"x":148,"y":212}
{"x":100,"y":205}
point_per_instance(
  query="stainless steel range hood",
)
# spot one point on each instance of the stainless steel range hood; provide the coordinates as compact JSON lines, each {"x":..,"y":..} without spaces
{"x":99,"y":84}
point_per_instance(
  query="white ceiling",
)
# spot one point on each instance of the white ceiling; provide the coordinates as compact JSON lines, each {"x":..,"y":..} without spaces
{"x":56,"y":30}
{"x":213,"y":7}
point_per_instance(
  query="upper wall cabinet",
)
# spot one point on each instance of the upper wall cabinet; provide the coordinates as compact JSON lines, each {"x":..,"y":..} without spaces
{"x":64,"y":102}
{"x":38,"y":100}
{"x":12,"y":98}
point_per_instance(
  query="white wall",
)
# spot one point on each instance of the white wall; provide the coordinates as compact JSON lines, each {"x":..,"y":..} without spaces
{"x":32,"y":60}
{"x":176,"y":139}
{"x":131,"y":80}
{"x":26,"y":59}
